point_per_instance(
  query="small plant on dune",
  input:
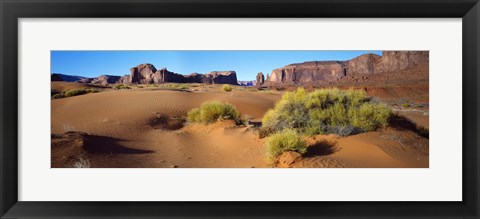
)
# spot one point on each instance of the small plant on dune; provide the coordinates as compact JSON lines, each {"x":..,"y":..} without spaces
{"x":213,"y":111}
{"x":183,"y":87}
{"x":74,"y":92}
{"x":227,"y":88}
{"x":178,"y":86}
{"x":71,"y":93}
{"x":285,"y":140}
{"x":57,"y":96}
{"x":406,"y":105}
{"x":120,"y":87}
{"x":326,"y":111}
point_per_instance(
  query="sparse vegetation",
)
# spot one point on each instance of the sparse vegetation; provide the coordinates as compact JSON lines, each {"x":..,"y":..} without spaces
{"x":406,"y":105}
{"x":227,"y":88}
{"x":178,"y":86}
{"x":285,"y":140}
{"x":213,"y":111}
{"x":74,"y":92}
{"x":121,"y":87}
{"x":326,"y":111}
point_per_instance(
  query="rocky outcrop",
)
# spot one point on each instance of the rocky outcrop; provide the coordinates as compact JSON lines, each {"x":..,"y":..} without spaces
{"x":247,"y":83}
{"x":124,"y":79}
{"x":287,"y":159}
{"x":148,"y":74}
{"x":392,"y":61}
{"x":143,"y":74}
{"x":362,"y":65}
{"x":368,"y":64}
{"x":55,"y":77}
{"x":105,"y":79}
{"x":260,"y":80}
{"x":64,"y":77}
{"x":85,"y":80}
{"x":308,"y":72}
{"x":220,"y":77}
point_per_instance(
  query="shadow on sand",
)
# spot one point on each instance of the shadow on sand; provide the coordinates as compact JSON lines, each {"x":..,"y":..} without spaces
{"x":403,"y":124}
{"x":321,"y":148}
{"x":107,"y":145}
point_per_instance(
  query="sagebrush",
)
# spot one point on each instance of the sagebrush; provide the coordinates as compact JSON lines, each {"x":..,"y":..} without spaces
{"x":213,"y":111}
{"x":227,"y":88}
{"x":326,"y":111}
{"x":285,"y":140}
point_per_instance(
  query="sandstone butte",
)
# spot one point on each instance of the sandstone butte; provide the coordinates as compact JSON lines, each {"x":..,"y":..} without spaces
{"x":368,"y":64}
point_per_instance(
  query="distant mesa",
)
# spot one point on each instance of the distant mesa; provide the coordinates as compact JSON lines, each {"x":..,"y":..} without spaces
{"x":63,"y":77}
{"x":148,"y":74}
{"x":368,"y":64}
{"x":247,"y":83}
{"x":102,"y":80}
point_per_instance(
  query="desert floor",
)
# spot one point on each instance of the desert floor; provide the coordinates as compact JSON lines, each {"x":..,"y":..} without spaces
{"x":144,"y":128}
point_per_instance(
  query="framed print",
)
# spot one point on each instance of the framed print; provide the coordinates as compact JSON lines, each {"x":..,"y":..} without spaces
{"x":239,"y":109}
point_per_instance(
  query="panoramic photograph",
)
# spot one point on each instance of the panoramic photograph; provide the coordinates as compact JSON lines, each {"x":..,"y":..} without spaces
{"x":239,"y":109}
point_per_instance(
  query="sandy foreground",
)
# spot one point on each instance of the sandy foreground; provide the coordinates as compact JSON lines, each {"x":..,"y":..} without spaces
{"x":144,"y":128}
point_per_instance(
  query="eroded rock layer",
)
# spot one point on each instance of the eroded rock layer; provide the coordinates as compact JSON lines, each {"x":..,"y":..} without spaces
{"x":368,"y":64}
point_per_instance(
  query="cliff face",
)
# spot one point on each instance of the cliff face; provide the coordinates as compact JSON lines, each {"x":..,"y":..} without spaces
{"x":398,"y":60}
{"x":368,"y":64}
{"x":105,"y":79}
{"x":308,"y":71}
{"x":148,"y":74}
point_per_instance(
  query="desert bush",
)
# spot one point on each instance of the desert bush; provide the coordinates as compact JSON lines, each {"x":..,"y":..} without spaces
{"x":227,"y":88}
{"x":285,"y":140}
{"x":326,"y":111}
{"x":58,"y":96}
{"x":75,"y":92}
{"x":213,"y":111}
{"x":178,"y":86}
{"x":120,"y":87}
{"x":183,"y":87}
{"x":406,"y":105}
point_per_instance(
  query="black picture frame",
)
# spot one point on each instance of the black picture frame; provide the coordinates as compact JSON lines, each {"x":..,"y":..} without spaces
{"x":12,"y":10}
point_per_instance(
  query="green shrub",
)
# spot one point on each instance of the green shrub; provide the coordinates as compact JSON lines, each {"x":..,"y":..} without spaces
{"x":286,"y":140}
{"x":213,"y":111}
{"x":326,"y":111}
{"x":406,"y":105}
{"x":177,"y":86}
{"x":75,"y":92}
{"x":57,"y":96}
{"x":90,"y":90}
{"x":120,"y":87}
{"x":183,"y":87}
{"x":227,"y":88}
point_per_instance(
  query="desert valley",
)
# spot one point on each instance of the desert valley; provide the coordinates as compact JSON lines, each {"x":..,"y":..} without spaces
{"x":371,"y":111}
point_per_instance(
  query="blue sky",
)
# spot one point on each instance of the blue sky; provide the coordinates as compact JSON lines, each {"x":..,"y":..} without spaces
{"x":246,"y":63}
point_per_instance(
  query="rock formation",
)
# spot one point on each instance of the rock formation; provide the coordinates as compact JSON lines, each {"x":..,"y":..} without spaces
{"x":260,"y":79}
{"x":368,"y":64}
{"x":398,"y":60}
{"x":105,"y":79}
{"x":247,"y":83}
{"x":64,"y":77}
{"x":148,"y":74}
{"x":55,"y":77}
